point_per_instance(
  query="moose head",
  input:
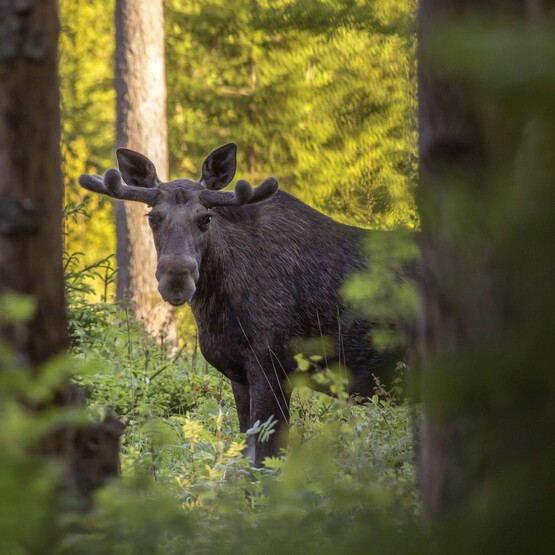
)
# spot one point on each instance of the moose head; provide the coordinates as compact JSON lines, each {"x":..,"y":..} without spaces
{"x":181,"y":216}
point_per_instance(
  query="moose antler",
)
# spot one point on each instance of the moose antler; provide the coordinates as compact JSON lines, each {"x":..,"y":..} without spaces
{"x":241,"y":195}
{"x":113,"y":186}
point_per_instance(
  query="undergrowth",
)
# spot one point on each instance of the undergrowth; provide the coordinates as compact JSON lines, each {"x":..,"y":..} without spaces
{"x":345,"y":485}
{"x":347,"y":466}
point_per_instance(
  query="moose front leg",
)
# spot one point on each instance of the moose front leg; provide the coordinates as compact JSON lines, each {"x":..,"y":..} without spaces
{"x":268,"y":397}
{"x":243,"y":405}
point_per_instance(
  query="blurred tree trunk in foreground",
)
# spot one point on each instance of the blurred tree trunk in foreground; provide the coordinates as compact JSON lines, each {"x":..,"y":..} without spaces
{"x":141,"y":126}
{"x":31,"y":187}
{"x":31,"y":195}
{"x":487,"y":129}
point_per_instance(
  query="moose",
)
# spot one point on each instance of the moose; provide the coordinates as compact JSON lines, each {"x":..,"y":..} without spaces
{"x":259,"y":269}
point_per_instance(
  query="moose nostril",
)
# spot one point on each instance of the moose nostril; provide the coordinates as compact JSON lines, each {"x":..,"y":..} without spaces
{"x":176,"y":290}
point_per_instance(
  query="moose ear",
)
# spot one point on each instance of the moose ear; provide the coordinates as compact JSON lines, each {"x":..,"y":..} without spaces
{"x":137,"y":170}
{"x":219,"y":167}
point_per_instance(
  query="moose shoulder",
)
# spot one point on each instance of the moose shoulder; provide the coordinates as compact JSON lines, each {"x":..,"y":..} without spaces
{"x":260,"y":269}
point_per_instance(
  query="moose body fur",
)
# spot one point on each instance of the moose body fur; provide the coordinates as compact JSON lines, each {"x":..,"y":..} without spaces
{"x":260,"y":271}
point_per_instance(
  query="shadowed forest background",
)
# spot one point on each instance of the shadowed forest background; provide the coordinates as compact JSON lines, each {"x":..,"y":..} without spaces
{"x":433,"y":121}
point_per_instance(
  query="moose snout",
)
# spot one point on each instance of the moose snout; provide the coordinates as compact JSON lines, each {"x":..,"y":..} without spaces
{"x":177,"y":277}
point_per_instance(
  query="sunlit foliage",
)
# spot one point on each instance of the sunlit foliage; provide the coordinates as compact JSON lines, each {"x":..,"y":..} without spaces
{"x":330,"y":111}
{"x":88,"y":116}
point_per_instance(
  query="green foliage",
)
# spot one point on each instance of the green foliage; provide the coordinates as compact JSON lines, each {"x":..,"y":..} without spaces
{"x":30,"y":501}
{"x":330,"y":113}
{"x":16,"y":308}
{"x":386,"y":293}
{"x":88,"y":132}
{"x":186,"y":484}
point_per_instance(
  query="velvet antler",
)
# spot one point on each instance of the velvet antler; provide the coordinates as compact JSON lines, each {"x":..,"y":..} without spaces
{"x":113,"y":186}
{"x":241,"y":195}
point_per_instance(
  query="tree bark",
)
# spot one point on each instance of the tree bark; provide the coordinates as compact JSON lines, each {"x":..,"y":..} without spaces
{"x":141,"y":126}
{"x":31,"y":197}
{"x":31,"y":187}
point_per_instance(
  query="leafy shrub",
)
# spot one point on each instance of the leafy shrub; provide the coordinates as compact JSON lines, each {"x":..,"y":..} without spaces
{"x":348,"y":474}
{"x":182,"y":444}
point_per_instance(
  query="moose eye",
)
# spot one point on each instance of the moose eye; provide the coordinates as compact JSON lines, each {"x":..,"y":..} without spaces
{"x":154,"y":219}
{"x":204,"y":221}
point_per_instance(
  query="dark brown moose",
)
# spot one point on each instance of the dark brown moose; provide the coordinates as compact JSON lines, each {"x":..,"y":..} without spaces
{"x":259,"y":269}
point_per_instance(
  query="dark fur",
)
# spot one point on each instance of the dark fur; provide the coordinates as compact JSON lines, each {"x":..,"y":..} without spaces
{"x":257,"y":277}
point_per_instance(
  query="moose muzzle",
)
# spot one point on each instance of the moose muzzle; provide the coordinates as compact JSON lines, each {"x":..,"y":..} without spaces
{"x":177,"y":276}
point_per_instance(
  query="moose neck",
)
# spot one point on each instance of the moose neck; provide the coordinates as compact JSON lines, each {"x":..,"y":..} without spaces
{"x":263,"y":248}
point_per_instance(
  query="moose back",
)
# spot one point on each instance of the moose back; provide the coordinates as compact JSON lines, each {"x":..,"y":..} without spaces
{"x":259,"y":269}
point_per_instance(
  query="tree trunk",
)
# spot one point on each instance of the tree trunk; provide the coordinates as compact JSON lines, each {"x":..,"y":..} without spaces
{"x":141,"y":126}
{"x":31,"y":187}
{"x":31,"y":196}
{"x":485,"y":307}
